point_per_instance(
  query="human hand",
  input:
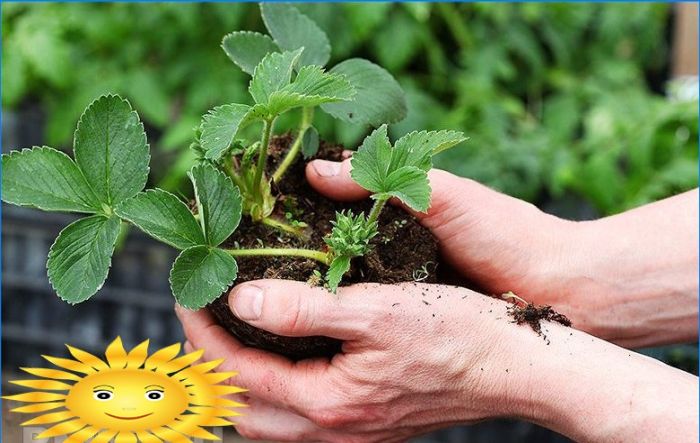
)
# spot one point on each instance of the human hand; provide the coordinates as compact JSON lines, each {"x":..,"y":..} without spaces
{"x":416,"y":357}
{"x":408,"y":367}
{"x":498,"y":242}
{"x":630,"y":278}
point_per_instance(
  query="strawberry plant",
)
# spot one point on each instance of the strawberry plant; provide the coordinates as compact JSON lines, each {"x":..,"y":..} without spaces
{"x":106,"y":177}
{"x":287,"y":73}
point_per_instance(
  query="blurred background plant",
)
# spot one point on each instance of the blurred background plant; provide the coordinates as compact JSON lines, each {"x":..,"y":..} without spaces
{"x":558,"y":100}
{"x":569,"y":106}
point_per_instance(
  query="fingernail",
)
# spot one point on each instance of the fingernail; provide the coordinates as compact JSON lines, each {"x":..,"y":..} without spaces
{"x":326,"y":168}
{"x":246,"y":302}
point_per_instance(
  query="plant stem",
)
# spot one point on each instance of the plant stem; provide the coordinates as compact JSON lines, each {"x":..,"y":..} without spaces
{"x":376,"y":209}
{"x":286,"y":227}
{"x":307,"y":118}
{"x":319,"y":256}
{"x":262,"y":155}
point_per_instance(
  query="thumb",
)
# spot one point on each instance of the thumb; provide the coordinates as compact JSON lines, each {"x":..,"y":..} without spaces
{"x":332,"y":179}
{"x":295,"y":309}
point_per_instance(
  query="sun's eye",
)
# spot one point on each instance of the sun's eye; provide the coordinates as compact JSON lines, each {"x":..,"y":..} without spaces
{"x":102,"y":395}
{"x":154,"y":395}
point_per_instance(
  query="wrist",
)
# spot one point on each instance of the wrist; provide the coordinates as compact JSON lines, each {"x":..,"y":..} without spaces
{"x":593,"y":391}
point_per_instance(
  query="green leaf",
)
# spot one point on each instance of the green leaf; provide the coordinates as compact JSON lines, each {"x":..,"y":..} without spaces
{"x":247,"y":49}
{"x":80,"y":258}
{"x":339,"y":266}
{"x":218,"y":202}
{"x":220,"y":126}
{"x":311,"y":87}
{"x":370,"y":164}
{"x":200,"y":275}
{"x":410,"y":185}
{"x":379,"y":97}
{"x":309,"y":144}
{"x":417,"y":148}
{"x":164,"y":217}
{"x":272,"y":74}
{"x":111,"y":150}
{"x":400,"y":171}
{"x":47,"y":179}
{"x":293,"y":30}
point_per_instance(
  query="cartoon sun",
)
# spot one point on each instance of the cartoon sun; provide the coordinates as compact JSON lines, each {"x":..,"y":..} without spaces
{"x":130,"y":397}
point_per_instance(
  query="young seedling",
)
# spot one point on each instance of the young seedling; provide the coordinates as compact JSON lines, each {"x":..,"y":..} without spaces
{"x":400,"y":171}
{"x":287,"y":73}
{"x":275,"y":90}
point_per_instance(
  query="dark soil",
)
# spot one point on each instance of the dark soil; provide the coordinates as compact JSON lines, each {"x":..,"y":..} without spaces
{"x":402,"y":250}
{"x":533,"y":316}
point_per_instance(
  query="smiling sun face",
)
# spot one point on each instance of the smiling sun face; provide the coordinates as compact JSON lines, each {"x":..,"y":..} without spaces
{"x":130,"y":397}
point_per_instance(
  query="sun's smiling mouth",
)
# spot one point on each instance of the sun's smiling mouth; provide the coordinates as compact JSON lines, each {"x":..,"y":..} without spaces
{"x":128,"y":418}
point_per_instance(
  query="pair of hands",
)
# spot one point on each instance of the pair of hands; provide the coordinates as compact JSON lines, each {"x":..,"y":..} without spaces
{"x":408,"y":368}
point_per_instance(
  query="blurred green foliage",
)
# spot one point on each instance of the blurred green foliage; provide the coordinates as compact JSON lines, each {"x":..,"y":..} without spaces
{"x":558,"y":100}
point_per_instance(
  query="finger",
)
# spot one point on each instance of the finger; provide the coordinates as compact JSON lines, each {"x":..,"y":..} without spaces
{"x":264,"y":421}
{"x":332,"y":179}
{"x":346,"y":153}
{"x":267,"y":376}
{"x":295,"y":309}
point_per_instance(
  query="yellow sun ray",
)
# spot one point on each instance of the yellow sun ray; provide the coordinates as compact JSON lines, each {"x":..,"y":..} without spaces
{"x":67,"y":427}
{"x":162,"y":356}
{"x":126,"y":437}
{"x":52,"y":417}
{"x":171,"y":436}
{"x":226,"y":403}
{"x":180,"y":363}
{"x":217,"y":412}
{"x":105,"y":436}
{"x":147,"y":437}
{"x":129,"y":396}
{"x":116,"y":354}
{"x":218,"y":377}
{"x":51,"y":373}
{"x":207,"y":366}
{"x":217,"y":422}
{"x":82,"y":435}
{"x":39,"y":407}
{"x":137,"y":356}
{"x":188,"y":425}
{"x":226,"y":390}
{"x":87,"y":358}
{"x":45,"y":385}
{"x":71,"y":365}
{"x":35,"y":397}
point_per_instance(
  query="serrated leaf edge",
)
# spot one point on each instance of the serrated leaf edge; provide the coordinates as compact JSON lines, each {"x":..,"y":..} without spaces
{"x":220,"y":291}
{"x":246,"y":33}
{"x":199,"y":206}
{"x":150,"y":191}
{"x":138,"y":118}
{"x":51,"y":253}
{"x":18,"y":152}
{"x":327,"y":44}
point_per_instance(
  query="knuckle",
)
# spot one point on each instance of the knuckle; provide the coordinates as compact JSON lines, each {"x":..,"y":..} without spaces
{"x":328,"y":418}
{"x":297,"y":316}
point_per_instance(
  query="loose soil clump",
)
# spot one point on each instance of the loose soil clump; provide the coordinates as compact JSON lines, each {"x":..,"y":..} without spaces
{"x":533,"y":315}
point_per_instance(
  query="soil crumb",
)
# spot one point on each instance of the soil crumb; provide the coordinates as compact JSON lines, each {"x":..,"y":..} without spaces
{"x":533,"y":316}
